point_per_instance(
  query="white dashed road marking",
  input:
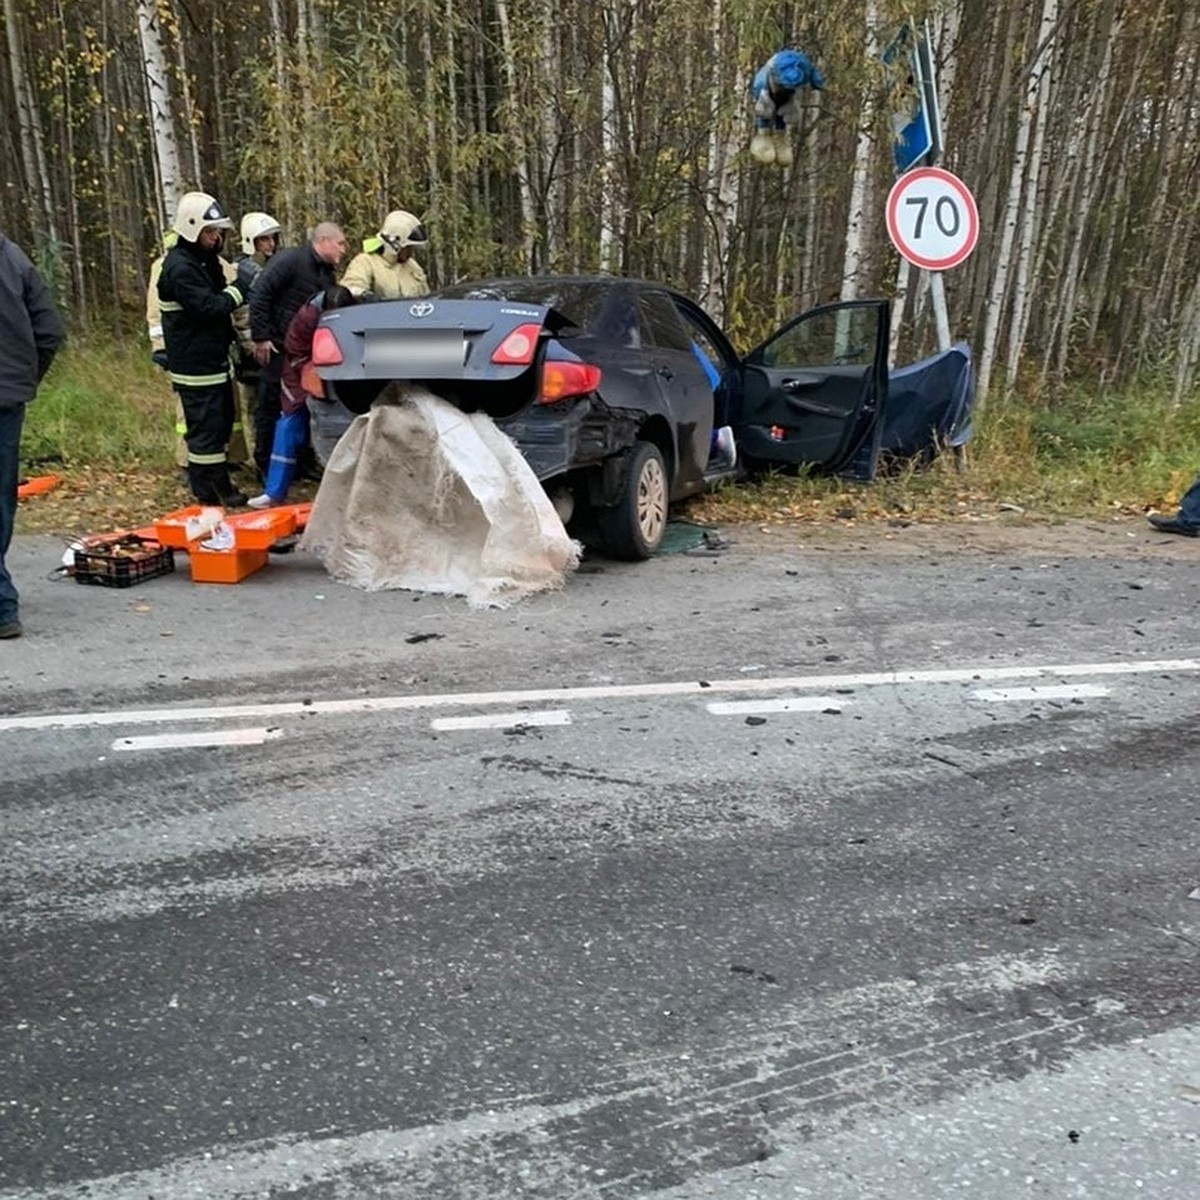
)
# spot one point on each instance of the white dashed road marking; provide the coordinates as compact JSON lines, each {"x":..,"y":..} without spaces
{"x":1076,"y":691}
{"x":565,"y":695}
{"x":510,"y":720}
{"x":735,"y":708}
{"x":216,"y":737}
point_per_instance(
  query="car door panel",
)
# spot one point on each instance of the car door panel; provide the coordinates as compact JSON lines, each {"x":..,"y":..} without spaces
{"x":687,"y":404}
{"x":812,"y":391}
{"x":687,"y":395}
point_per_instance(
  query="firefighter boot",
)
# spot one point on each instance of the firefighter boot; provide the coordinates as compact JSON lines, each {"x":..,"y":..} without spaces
{"x":227,"y":495}
{"x":200,"y":481}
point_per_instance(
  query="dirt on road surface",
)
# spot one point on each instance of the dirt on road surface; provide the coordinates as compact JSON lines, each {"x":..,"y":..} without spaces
{"x":1124,"y":537}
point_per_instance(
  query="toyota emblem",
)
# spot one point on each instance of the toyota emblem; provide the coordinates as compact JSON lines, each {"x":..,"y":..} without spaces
{"x":421,"y":310}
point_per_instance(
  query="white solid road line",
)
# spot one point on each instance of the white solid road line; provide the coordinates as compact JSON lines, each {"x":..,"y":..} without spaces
{"x":736,"y":708}
{"x":1076,"y":691}
{"x":215,"y":737}
{"x":508,"y":720}
{"x":565,"y":695}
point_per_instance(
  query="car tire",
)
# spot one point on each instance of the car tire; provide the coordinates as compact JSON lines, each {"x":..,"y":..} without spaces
{"x":633,"y":527}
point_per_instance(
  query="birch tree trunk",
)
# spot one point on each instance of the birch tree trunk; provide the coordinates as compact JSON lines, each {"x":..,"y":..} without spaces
{"x":77,"y":279}
{"x":1037,"y":95}
{"x":863,"y":155}
{"x":516,"y":135}
{"x":191,"y":118}
{"x":33,"y":152}
{"x":721,"y":186}
{"x":283,"y":140}
{"x":999,"y":292}
{"x":806,"y":284}
{"x":549,"y":175}
{"x":311,"y":202}
{"x":160,"y":108}
{"x":1188,"y":350}
{"x":1088,"y":188}
{"x":432,"y":140}
{"x":608,"y":143}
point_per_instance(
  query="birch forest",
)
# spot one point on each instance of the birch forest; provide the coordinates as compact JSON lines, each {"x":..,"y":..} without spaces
{"x":536,"y":136}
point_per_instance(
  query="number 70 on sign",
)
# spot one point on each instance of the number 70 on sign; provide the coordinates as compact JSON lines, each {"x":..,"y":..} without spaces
{"x":932,"y":218}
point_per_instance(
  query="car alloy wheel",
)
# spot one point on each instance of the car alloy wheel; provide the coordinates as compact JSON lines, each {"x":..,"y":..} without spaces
{"x":651,"y":501}
{"x":632,"y":527}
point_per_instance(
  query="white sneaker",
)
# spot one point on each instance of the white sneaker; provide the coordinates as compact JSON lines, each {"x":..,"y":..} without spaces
{"x":725,"y":446}
{"x":263,"y":501}
{"x":783,"y":149}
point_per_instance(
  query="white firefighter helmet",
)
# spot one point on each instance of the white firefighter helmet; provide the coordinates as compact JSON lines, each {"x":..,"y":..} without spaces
{"x":197,"y":211}
{"x":256,"y":225}
{"x":402,"y":229}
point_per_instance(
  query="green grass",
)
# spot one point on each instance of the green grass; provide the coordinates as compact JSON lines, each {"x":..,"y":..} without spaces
{"x":106,"y":408}
{"x":102,"y":405}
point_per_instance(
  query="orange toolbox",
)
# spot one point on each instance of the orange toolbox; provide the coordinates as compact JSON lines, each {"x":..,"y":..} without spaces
{"x":261,"y":530}
{"x":224,"y":566}
{"x":171,"y":529}
{"x":251,"y":530}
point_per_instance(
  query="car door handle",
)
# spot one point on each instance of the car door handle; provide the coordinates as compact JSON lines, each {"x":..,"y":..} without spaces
{"x":666,"y":373}
{"x":817,"y":410}
{"x":802,"y":383}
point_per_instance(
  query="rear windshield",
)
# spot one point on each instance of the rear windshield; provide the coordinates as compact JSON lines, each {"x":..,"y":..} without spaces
{"x":606,"y":310}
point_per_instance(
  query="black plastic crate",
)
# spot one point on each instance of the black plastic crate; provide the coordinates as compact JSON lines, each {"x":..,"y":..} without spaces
{"x":122,"y":561}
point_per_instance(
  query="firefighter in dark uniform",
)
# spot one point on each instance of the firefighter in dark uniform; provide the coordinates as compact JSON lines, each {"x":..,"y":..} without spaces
{"x":197,"y":305}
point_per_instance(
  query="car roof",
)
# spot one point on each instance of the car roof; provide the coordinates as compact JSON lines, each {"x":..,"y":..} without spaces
{"x":593,"y":302}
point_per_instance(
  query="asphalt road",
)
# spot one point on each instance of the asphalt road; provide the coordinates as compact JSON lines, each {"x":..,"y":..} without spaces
{"x":778,"y":872}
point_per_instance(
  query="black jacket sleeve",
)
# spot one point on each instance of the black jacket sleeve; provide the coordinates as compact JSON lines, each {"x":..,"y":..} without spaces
{"x":48,"y":332}
{"x":193,"y":291}
{"x":267,"y":284}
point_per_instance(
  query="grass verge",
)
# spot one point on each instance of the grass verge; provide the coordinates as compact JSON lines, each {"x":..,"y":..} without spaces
{"x":104,"y":420}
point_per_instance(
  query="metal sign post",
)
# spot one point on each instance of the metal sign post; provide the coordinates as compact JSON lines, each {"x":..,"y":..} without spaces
{"x":933,"y":221}
{"x":932,"y":217}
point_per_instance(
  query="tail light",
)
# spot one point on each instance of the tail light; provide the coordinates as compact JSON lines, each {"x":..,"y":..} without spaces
{"x":325,"y":349}
{"x":563,"y":379}
{"x":517,"y":349}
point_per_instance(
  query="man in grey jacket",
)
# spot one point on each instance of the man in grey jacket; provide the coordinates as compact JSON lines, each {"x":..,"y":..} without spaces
{"x":30,"y":335}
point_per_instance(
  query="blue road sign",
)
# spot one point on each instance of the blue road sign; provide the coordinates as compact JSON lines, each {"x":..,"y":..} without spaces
{"x":916,"y":121}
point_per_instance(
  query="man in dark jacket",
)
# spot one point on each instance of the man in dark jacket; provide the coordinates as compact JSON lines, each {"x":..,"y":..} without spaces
{"x":30,"y":335}
{"x":289,"y":279}
{"x":197,"y":307}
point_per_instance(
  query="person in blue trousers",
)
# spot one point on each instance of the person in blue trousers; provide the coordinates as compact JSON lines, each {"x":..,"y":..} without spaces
{"x":1187,"y":520}
{"x":292,"y":428}
{"x":31,"y":332}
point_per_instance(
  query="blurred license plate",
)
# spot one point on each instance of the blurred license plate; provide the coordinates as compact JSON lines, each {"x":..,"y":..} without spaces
{"x":416,"y":351}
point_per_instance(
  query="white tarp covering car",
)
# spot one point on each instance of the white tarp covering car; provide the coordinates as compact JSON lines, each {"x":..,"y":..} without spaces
{"x":420,"y":495}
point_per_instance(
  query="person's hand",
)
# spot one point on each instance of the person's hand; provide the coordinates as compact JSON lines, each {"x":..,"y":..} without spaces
{"x":159,"y":359}
{"x":263,"y":351}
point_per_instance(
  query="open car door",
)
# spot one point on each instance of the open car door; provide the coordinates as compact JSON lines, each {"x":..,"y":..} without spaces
{"x":812,"y":393}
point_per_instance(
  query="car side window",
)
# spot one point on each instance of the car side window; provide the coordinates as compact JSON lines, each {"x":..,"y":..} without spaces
{"x":617,"y":318}
{"x":838,"y":337}
{"x":663,"y":326}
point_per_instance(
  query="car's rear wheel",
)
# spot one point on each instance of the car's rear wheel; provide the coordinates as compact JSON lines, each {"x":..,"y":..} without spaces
{"x":633,"y":527}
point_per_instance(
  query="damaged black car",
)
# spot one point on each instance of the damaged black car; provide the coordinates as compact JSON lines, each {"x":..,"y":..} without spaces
{"x":625,"y":396}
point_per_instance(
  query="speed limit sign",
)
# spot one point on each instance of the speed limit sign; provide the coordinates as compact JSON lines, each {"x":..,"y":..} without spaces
{"x":932,"y":219}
